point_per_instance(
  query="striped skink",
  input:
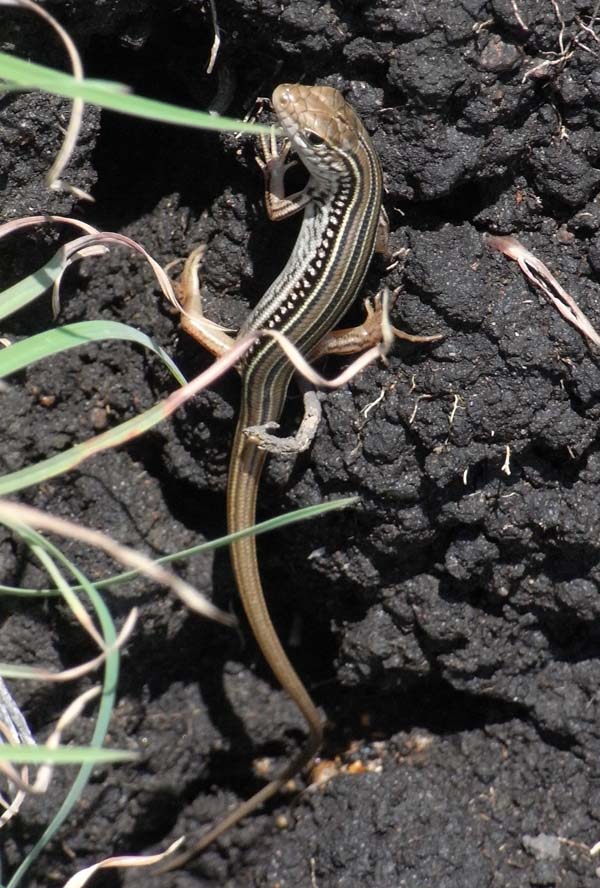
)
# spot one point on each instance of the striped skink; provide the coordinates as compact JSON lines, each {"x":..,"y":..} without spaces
{"x":343,"y":224}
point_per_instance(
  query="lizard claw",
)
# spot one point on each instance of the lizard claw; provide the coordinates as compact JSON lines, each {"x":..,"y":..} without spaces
{"x":274,"y":160}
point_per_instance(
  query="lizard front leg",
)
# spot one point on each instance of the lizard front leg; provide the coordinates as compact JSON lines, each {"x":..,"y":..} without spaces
{"x":350,"y":340}
{"x":274,"y":165}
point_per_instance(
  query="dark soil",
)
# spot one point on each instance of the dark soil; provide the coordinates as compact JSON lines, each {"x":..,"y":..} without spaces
{"x":447,"y":625}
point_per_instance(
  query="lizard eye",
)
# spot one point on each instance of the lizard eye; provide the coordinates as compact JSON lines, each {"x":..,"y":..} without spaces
{"x":313,"y":139}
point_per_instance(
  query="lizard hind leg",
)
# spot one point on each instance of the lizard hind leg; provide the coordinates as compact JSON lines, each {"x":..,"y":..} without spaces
{"x":209,"y":335}
{"x":262,"y":438}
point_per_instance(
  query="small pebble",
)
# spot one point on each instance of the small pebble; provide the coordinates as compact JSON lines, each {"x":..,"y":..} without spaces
{"x":499,"y":56}
{"x":98,"y":418}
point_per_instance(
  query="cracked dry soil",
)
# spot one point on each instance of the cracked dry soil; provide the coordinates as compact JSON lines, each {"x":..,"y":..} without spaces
{"x":447,"y":625}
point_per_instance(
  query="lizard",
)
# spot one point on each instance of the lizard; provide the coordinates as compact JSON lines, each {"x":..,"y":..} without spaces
{"x":344,"y":223}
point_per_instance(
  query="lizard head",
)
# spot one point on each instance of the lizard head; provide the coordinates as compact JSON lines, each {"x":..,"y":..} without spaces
{"x":319,"y":123}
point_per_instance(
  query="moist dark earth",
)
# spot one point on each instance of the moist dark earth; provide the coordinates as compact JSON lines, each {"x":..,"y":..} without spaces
{"x":447,"y":624}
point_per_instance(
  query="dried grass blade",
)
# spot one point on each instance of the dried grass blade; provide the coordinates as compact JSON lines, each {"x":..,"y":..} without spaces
{"x":44,"y":774}
{"x":81,"y":878}
{"x":72,"y":132}
{"x":132,"y":428}
{"x":542,"y":278}
{"x":71,"y":599}
{"x":16,"y":514}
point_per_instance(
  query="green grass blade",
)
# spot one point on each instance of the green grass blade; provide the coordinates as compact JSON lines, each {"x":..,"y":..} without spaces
{"x":23,"y":673}
{"x":63,"y":755}
{"x":64,"y":462}
{"x":105,"y":708}
{"x":20,"y":74}
{"x":30,"y":288}
{"x":51,"y":342}
{"x":270,"y":524}
{"x":303,"y":514}
{"x":125,"y":432}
